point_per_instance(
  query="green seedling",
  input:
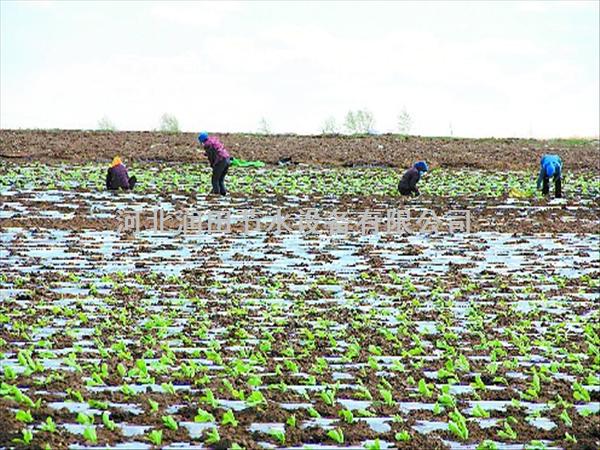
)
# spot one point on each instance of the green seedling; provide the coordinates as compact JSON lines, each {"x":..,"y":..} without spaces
{"x":346,"y":415}
{"x":312,"y":412}
{"x":229,"y":419}
{"x":458,"y":425}
{"x":328,"y":396}
{"x":155,"y":436}
{"x":487,"y":445}
{"x":9,"y":373}
{"x":170,"y":423}
{"x":507,"y":433}
{"x":478,"y":411}
{"x":535,"y":445}
{"x":85,"y":419}
{"x":49,"y":425}
{"x":26,"y":439}
{"x":168,"y":388}
{"x":153,"y":405}
{"x":564,"y":416}
{"x":256,"y":398}
{"x":387,"y":397}
{"x":337,"y":435}
{"x":402,"y":436}
{"x":376,"y":445}
{"x":90,"y":435}
{"x":424,"y":389}
{"x":108,"y":423}
{"x":279,"y":435}
{"x":209,"y":398}
{"x":24,"y":416}
{"x":212,"y":436}
{"x":204,"y":416}
{"x":580,"y":393}
{"x":478,"y":384}
{"x":291,"y":421}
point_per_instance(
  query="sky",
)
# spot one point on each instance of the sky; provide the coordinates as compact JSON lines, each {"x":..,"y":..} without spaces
{"x":472,"y":69}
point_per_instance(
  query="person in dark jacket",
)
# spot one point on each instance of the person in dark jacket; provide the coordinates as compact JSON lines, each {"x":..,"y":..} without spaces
{"x":408,"y":183}
{"x":219,"y":160}
{"x":550,"y":167}
{"x":117,"y":176}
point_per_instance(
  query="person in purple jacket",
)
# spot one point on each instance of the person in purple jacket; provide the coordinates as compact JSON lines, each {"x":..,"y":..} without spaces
{"x":117,"y":176}
{"x":408,"y":183}
{"x":219,"y":160}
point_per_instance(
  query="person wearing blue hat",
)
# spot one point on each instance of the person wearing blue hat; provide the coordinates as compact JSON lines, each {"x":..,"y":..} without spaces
{"x":219,"y":160}
{"x":408,"y":183}
{"x":550,"y":167}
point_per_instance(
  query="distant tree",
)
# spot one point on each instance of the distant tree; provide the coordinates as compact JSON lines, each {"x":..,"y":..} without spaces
{"x":404,"y":122}
{"x":169,"y":124}
{"x":263,"y":126}
{"x":105,"y":124}
{"x":330,"y":126}
{"x":359,"y":122}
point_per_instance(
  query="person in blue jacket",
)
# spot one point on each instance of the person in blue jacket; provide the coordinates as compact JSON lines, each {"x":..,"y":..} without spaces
{"x":408,"y":182}
{"x":550,"y":167}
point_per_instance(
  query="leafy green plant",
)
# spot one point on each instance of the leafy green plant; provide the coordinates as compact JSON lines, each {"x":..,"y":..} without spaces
{"x":478,"y":411}
{"x":291,"y":421}
{"x":170,"y":422}
{"x":85,"y":419}
{"x":153,"y":405}
{"x":256,"y":398}
{"x":386,"y":394}
{"x":580,"y":393}
{"x":204,"y":416}
{"x":212,"y":436}
{"x":279,"y":435}
{"x":337,"y":435}
{"x":402,"y":436}
{"x":90,"y":435}
{"x":507,"y":432}
{"x":346,"y":415}
{"x":24,"y":416}
{"x":328,"y":396}
{"x":26,"y":439}
{"x":564,"y":416}
{"x":209,"y":398}
{"x":487,"y":445}
{"x":229,"y":419}
{"x":49,"y":425}
{"x":424,"y":389}
{"x":108,"y":423}
{"x":155,"y":436}
{"x":375,"y":445}
{"x":458,"y":425}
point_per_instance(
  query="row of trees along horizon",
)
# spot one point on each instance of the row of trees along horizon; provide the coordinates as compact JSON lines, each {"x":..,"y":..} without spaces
{"x":360,"y":121}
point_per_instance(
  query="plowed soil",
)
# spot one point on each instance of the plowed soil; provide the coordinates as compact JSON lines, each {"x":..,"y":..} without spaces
{"x":385,"y":150}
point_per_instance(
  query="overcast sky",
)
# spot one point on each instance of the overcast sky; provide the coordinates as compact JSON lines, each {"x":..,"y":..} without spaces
{"x":470,"y":69}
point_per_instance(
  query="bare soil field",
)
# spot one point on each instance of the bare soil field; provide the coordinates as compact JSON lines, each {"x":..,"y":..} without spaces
{"x":383,"y":150}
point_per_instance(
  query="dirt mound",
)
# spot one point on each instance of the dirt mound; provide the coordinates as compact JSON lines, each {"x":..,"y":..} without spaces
{"x":383,"y":150}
